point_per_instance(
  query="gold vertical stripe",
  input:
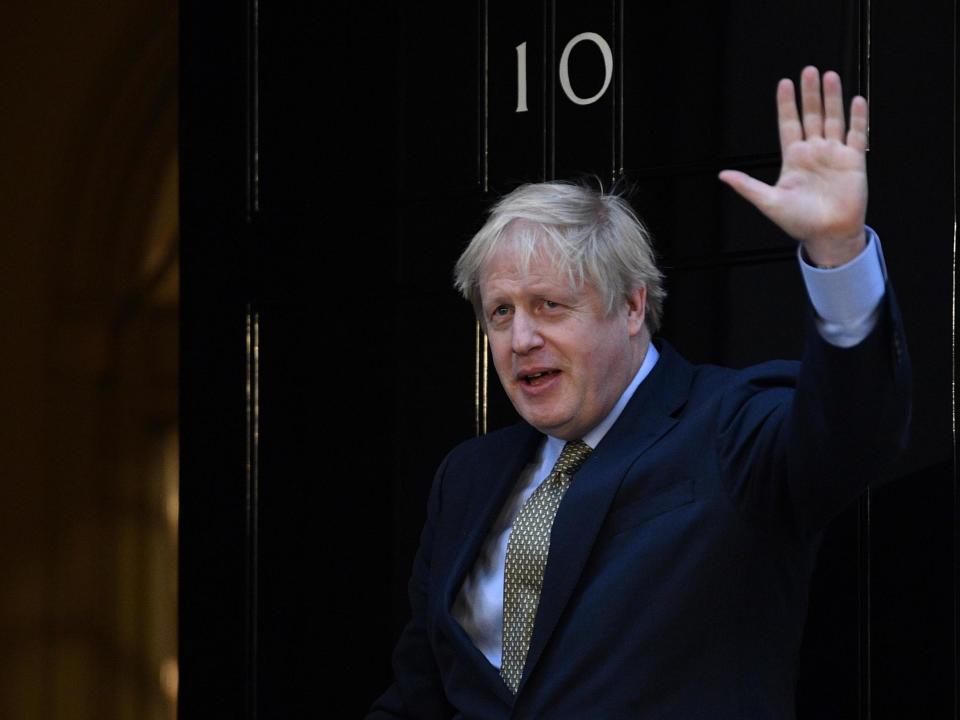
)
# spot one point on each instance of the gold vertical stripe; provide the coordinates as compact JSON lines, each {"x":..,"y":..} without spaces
{"x":477,"y":364}
{"x":248,"y":394}
{"x":953,"y":280}
{"x":481,"y":372}
{"x":486,"y":376}
{"x":552,"y":135}
{"x":619,"y":34}
{"x":253,"y":109}
{"x":252,"y":473}
{"x":486,"y":96}
{"x":953,"y":374}
{"x":256,"y":400}
{"x":866,"y":93}
{"x":543,"y":92}
{"x":864,"y":533}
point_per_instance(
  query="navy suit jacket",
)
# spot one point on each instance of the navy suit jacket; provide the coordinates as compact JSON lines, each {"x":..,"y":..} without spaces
{"x":680,"y":558}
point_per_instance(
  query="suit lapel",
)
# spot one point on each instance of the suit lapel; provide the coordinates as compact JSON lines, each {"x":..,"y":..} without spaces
{"x":503,"y":458}
{"x":647,"y":417}
{"x":500,"y":464}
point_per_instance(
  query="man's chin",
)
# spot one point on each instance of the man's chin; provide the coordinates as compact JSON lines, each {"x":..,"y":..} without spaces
{"x":553,"y":426}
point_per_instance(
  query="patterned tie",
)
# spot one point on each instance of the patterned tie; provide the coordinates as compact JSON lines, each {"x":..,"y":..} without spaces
{"x":526,"y":560}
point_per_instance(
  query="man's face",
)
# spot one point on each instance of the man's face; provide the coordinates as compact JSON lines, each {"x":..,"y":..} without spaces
{"x":562,"y":360}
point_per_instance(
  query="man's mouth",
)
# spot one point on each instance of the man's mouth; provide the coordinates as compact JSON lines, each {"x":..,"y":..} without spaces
{"x":537,"y":377}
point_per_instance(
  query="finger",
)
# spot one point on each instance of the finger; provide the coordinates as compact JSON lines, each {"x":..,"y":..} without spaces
{"x":859,"y":117}
{"x":754,"y":191}
{"x":810,"y":102}
{"x":833,"y":122}
{"x":791,"y":130}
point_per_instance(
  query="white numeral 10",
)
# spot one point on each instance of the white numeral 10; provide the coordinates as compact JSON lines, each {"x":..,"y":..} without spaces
{"x":565,"y":70}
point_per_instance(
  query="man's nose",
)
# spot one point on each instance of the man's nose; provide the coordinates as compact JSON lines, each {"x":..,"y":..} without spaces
{"x":525,"y":333}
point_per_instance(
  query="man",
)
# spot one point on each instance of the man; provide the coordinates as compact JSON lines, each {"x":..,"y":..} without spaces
{"x":641,"y":546}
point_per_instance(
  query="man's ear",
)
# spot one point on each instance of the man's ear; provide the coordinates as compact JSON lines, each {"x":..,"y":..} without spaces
{"x":636,"y":310}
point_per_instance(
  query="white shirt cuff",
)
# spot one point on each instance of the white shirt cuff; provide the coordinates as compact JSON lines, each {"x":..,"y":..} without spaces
{"x":847,"y":298}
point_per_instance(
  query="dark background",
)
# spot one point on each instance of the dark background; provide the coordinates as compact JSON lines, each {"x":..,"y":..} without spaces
{"x":89,"y":362}
{"x":333,"y":165}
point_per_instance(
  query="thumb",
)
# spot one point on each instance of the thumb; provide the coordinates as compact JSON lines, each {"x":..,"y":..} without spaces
{"x":752,"y":190}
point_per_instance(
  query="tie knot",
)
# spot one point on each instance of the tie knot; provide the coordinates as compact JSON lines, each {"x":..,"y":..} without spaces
{"x":573,"y":455}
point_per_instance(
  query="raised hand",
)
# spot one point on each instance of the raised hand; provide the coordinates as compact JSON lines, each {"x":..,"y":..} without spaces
{"x":820,"y":197}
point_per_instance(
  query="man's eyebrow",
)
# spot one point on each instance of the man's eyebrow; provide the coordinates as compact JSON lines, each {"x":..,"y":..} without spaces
{"x":556,"y":290}
{"x":494,"y":301}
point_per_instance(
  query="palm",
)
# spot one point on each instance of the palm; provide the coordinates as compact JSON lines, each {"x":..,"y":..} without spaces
{"x":821,"y":195}
{"x":822,"y":190}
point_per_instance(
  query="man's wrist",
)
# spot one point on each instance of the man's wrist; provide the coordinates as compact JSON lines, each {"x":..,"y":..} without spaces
{"x":832,"y":254}
{"x":846,"y":299}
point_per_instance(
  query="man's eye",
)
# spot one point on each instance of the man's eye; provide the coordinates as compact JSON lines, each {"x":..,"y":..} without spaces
{"x":550,"y":304}
{"x":501,"y":311}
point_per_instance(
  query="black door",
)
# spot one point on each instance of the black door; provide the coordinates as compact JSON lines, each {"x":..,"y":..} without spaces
{"x":333,"y":166}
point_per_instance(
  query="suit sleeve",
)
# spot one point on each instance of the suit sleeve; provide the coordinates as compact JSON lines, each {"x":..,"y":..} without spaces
{"x":799,"y":447}
{"x":417,"y":691}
